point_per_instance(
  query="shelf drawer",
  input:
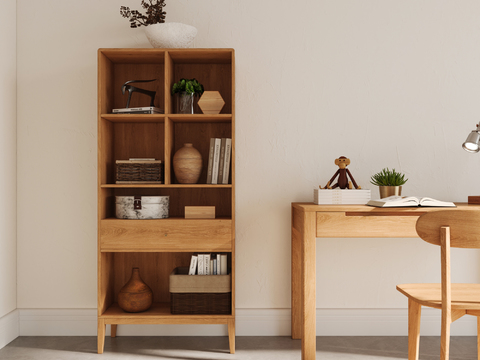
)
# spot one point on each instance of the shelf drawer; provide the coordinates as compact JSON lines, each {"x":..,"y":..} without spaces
{"x":341,"y":224}
{"x":166,"y":235}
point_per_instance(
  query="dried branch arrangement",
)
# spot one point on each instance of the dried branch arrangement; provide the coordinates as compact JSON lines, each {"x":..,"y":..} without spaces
{"x":154,"y":13}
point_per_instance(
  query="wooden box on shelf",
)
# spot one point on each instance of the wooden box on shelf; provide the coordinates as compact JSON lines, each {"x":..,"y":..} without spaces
{"x":199,"y":212}
{"x":161,"y":245}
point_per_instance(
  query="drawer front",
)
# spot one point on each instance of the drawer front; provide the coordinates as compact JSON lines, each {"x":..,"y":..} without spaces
{"x":339,"y":224}
{"x":166,"y":235}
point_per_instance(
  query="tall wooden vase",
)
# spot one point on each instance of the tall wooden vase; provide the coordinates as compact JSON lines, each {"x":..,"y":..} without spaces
{"x":187,"y":164}
{"x":135,"y":296}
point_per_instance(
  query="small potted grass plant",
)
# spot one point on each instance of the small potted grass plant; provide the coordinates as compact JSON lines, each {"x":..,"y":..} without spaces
{"x":389,"y":182}
{"x":186,"y":94}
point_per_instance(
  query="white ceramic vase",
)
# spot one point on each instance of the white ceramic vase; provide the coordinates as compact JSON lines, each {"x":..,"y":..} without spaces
{"x":170,"y":35}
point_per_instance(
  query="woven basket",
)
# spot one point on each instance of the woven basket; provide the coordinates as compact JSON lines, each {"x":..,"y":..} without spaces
{"x":201,"y":303}
{"x":139,"y":171}
{"x":199,"y":294}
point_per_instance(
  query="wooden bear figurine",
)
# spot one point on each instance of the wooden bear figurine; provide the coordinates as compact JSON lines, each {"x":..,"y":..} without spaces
{"x":343,"y":174}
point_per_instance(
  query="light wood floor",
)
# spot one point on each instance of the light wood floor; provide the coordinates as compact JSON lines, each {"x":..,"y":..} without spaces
{"x":248,"y":348}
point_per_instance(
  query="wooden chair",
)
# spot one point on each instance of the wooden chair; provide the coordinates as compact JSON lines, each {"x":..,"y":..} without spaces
{"x":446,"y":228}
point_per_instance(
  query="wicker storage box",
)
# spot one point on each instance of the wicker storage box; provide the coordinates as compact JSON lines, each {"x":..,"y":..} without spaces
{"x":144,"y":171}
{"x":199,"y":294}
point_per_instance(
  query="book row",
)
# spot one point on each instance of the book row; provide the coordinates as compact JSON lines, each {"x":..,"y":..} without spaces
{"x":219,"y":156}
{"x":208,"y":264}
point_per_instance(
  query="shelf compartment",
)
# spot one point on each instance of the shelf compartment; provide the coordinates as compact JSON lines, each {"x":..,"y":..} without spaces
{"x":155,"y":269}
{"x":125,"y":140}
{"x":173,"y":234}
{"x":159,"y":313}
{"x":180,"y":196}
{"x":199,"y":135}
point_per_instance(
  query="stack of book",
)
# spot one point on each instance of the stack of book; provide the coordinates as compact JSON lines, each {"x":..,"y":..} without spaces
{"x":208,"y":264}
{"x":219,"y":156}
{"x":139,"y":110}
{"x":341,"y":196}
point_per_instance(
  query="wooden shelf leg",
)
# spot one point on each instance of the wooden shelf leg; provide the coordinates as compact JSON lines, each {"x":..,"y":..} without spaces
{"x":231,"y":335}
{"x":414,"y":312}
{"x":113,"y":330}
{"x":101,"y":335}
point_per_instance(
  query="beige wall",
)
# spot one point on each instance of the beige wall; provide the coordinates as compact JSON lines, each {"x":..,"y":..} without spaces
{"x":8,"y":161}
{"x":386,"y":83}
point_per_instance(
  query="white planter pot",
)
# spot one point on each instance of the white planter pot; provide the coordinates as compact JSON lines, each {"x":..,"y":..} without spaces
{"x":170,"y":35}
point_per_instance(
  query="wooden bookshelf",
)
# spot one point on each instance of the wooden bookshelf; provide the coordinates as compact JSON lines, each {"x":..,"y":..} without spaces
{"x":159,"y":246}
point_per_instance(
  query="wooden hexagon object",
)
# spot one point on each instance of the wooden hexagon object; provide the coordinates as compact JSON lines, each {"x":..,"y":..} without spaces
{"x":211,"y":102}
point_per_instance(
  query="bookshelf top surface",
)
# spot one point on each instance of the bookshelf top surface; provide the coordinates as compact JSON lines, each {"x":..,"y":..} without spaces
{"x":222,"y":56}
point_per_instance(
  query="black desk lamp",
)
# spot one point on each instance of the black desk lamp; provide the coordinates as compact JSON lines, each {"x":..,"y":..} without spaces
{"x":472,"y":145}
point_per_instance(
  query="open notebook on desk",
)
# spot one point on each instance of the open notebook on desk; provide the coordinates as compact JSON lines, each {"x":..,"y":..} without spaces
{"x":406,"y":201}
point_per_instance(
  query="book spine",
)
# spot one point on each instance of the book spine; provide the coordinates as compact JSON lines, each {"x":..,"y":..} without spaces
{"x":201,"y":264}
{"x":226,"y":162}
{"x":210,"y":161}
{"x":207,"y":264}
{"x":221,"y":161}
{"x":223,"y":269}
{"x":216,"y":158}
{"x":219,"y":264}
{"x":193,"y":265}
{"x":214,"y":266}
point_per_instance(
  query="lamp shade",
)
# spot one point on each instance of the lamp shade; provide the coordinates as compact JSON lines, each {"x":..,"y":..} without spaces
{"x":472,"y":142}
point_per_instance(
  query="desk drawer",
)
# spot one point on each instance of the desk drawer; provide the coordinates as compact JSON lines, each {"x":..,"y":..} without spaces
{"x":166,"y":235}
{"x":340,"y":224}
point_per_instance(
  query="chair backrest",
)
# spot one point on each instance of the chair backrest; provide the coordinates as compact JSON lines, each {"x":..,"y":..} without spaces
{"x":464,"y":227}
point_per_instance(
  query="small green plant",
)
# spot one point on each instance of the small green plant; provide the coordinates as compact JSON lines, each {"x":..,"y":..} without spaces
{"x":191,"y":86}
{"x":388,"y":178}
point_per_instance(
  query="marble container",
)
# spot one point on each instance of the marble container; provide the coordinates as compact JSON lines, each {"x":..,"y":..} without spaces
{"x":142,"y":207}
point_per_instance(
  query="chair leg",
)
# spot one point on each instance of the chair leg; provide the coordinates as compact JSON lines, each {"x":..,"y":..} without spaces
{"x":414,"y":312}
{"x":445,"y":337}
{"x":478,"y":337}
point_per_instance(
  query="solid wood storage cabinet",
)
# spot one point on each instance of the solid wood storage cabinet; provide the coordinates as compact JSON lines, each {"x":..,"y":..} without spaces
{"x":159,"y":246}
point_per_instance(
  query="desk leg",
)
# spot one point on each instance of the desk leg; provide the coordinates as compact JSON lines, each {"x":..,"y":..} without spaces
{"x":308,"y":287}
{"x":297,"y":244}
{"x":303,"y":279}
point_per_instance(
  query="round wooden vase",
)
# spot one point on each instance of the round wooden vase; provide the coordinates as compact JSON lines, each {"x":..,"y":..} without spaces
{"x":135,"y":296}
{"x":187,"y":164}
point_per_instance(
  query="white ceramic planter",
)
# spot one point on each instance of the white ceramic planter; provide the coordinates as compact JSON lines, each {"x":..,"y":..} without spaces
{"x":170,"y":35}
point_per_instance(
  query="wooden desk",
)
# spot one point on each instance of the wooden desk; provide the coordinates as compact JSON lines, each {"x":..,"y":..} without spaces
{"x":310,"y":221}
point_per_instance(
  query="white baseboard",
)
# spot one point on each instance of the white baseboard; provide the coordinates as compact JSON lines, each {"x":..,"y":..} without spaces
{"x":249,"y":322}
{"x":9,"y":329}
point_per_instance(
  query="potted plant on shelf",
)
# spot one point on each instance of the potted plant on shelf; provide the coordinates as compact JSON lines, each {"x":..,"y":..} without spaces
{"x":159,"y":33}
{"x":186,"y":93}
{"x":389,"y":182}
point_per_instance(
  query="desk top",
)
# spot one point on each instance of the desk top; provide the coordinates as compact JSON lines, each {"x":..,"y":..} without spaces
{"x":371,"y":210}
